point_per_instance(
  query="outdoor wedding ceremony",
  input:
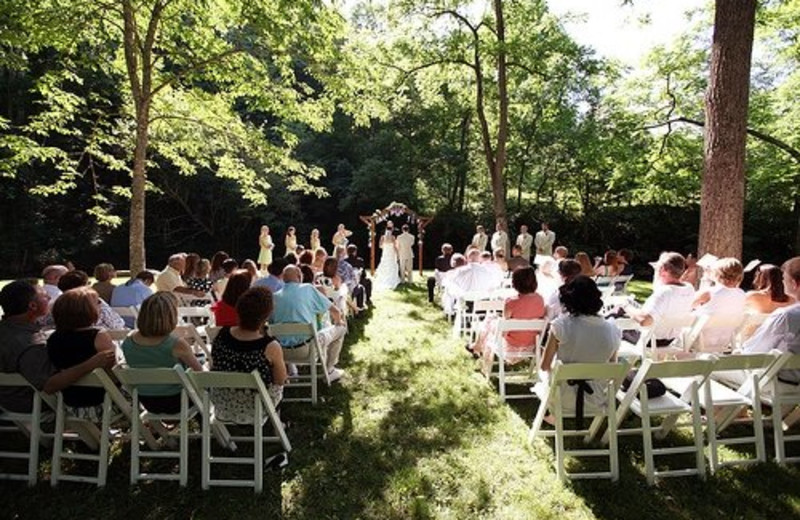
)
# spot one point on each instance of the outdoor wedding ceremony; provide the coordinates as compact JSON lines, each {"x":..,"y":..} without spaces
{"x":508,"y":259}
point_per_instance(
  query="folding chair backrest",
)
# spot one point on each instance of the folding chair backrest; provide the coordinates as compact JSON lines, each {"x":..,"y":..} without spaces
{"x":724,"y":325}
{"x":292,"y":329}
{"x":212,"y":333}
{"x":119,"y":335}
{"x":195,"y":340}
{"x":488,"y":306}
{"x":684,"y":368}
{"x":572,"y":371}
{"x":744,"y":361}
{"x":27,"y":422}
{"x":604,"y":281}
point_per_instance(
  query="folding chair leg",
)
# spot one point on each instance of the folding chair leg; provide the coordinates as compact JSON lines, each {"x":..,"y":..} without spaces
{"x":698,"y":434}
{"x":561,"y":469}
{"x":647,"y":440}
{"x":777,"y":426}
{"x":537,"y":421}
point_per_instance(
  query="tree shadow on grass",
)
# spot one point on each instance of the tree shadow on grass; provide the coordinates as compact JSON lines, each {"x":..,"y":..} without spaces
{"x":752,"y":491}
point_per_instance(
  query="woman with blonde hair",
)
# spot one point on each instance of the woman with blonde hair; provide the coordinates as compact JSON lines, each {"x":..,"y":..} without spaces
{"x":152,"y":345}
{"x":320,"y":255}
{"x":585,"y":263}
{"x":266,"y":246}
{"x":314,"y":242}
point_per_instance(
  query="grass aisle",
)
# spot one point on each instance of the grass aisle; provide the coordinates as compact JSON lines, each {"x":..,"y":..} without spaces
{"x":413,"y":431}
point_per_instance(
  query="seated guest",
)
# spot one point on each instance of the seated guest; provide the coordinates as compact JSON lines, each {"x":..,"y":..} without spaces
{"x":305,"y":258}
{"x":693,"y":272}
{"x":244,"y":348}
{"x":586,"y":264}
{"x":298,"y":302}
{"x":75,"y":341}
{"x":229,"y":266}
{"x":104,"y":273}
{"x":671,"y":298}
{"x":608,"y":267}
{"x":319,"y":260}
{"x":441,"y":266}
{"x":307,"y":275}
{"x":499,"y":258}
{"x":199,"y":281}
{"x":108,"y":319}
{"x":291,"y":258}
{"x":225,"y":309}
{"x":724,"y":299}
{"x":624,"y":258}
{"x":449,"y":296}
{"x":251,"y":267}
{"x":768,"y":291}
{"x":171,"y":279}
{"x":273,"y":281}
{"x":560,"y":253}
{"x":580,"y":335}
{"x":360,"y":266}
{"x":547,"y":277}
{"x":780,"y":331}
{"x":486,"y":257}
{"x":132,"y":293}
{"x":23,"y":351}
{"x":50,"y":276}
{"x":217,"y":272}
{"x":355,"y":292}
{"x":152,"y":345}
{"x":190,"y":266}
{"x":567,"y":271}
{"x":526,"y":305}
{"x":517,"y":260}
{"x":330,"y":284}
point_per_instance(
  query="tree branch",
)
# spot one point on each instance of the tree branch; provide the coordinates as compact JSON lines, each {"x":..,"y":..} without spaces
{"x":195,"y":67}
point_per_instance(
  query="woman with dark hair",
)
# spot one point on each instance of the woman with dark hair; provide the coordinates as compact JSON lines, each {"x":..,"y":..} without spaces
{"x":217,"y":272}
{"x":526,"y":305}
{"x":608,"y":266}
{"x":224,"y":310}
{"x":199,"y":281}
{"x":580,"y":335}
{"x":244,"y":348}
{"x":306,"y":258}
{"x":330,"y":283}
{"x":192,"y":259}
{"x":768,"y":291}
{"x":75,"y":340}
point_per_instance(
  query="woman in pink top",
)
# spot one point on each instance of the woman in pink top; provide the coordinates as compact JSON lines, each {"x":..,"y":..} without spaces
{"x":526,"y":305}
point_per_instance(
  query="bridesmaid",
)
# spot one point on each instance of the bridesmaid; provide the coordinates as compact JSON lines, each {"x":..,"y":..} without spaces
{"x":314,"y":241}
{"x":266,"y":245}
{"x":290,"y":241}
{"x":341,"y":235}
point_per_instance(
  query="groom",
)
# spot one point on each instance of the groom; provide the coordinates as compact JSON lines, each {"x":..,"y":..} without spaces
{"x":405,"y":253}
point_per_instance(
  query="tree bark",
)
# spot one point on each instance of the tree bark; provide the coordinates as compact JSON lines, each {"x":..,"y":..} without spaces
{"x":498,"y":183}
{"x":722,"y":198}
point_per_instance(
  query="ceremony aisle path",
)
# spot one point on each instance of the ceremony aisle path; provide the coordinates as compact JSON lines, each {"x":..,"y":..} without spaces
{"x":413,"y":431}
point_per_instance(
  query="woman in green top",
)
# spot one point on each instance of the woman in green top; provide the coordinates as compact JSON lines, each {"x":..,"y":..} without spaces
{"x":152,"y":345}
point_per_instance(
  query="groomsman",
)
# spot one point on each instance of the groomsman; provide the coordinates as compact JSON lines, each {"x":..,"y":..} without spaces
{"x":405,"y":254}
{"x":544,"y":241}
{"x":500,"y":240}
{"x":479,"y":239}
{"x":525,"y":241}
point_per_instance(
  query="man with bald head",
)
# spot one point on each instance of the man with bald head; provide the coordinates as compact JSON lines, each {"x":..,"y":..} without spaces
{"x":302,"y":303}
{"x":170,"y":279}
{"x":50,"y":276}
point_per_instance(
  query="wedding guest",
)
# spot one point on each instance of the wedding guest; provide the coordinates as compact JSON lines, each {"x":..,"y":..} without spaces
{"x":441,"y":266}
{"x":75,"y":341}
{"x":190,"y":268}
{"x":725,"y":298}
{"x":132,"y":293}
{"x":768,"y":292}
{"x":104,"y":273}
{"x":199,"y":281}
{"x":319,"y":260}
{"x":250,"y":266}
{"x":560,"y":253}
{"x":225,"y":309}
{"x":229,"y":266}
{"x":586,"y":264}
{"x":107,"y":318}
{"x":360,"y":266}
{"x":693,"y":272}
{"x":517,"y":260}
{"x":217,"y":272}
{"x":152,"y":345}
{"x":50,"y":276}
{"x":624,"y":258}
{"x":274,"y":279}
{"x":170,"y":279}
{"x":608,"y":267}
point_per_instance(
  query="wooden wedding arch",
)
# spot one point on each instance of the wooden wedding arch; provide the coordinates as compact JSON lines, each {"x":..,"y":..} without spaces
{"x":395,"y":209}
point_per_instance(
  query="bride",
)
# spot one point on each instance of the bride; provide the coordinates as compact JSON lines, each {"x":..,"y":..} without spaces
{"x":387,"y":276}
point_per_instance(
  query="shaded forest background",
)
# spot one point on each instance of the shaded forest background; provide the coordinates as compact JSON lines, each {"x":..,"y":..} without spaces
{"x":610,"y":157}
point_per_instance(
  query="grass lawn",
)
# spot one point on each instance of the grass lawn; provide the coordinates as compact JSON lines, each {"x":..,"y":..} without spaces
{"x":413,"y":431}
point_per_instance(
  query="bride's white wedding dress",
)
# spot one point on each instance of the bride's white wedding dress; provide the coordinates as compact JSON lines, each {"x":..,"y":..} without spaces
{"x":387,"y":276}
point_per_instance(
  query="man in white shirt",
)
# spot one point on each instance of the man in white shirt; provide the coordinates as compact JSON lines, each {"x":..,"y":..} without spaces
{"x":525,"y":241}
{"x":50,"y":276}
{"x":671,"y":300}
{"x":500,"y":240}
{"x":544,"y":241}
{"x":405,"y":255}
{"x":480,"y":239}
{"x":170,"y":278}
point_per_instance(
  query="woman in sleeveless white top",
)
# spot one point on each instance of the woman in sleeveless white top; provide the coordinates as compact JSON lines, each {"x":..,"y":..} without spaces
{"x":387,"y":276}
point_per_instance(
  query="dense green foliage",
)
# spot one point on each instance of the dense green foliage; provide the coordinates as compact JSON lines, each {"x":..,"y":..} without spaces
{"x":315,"y":120}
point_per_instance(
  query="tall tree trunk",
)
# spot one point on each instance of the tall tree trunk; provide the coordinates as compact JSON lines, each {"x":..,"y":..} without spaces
{"x":137,"y":256}
{"x":796,"y":213}
{"x":722,"y":202}
{"x":498,"y":183}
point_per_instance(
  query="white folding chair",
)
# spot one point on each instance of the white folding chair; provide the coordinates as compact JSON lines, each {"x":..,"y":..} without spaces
{"x":718,"y":333}
{"x":723,"y":405}
{"x":263,"y":411}
{"x":136,"y":378}
{"x":752,"y":320}
{"x":195,"y":340}
{"x":668,"y":406}
{"x":316,"y":358}
{"x":465,"y":311}
{"x":482,"y":309}
{"x":621,"y":282}
{"x":28,"y":423}
{"x":634,"y":352}
{"x":782,"y":396}
{"x":113,"y":398}
{"x":498,"y":348}
{"x":130,"y":314}
{"x":211,"y":333}
{"x":551,"y":396}
{"x":689,"y":327}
